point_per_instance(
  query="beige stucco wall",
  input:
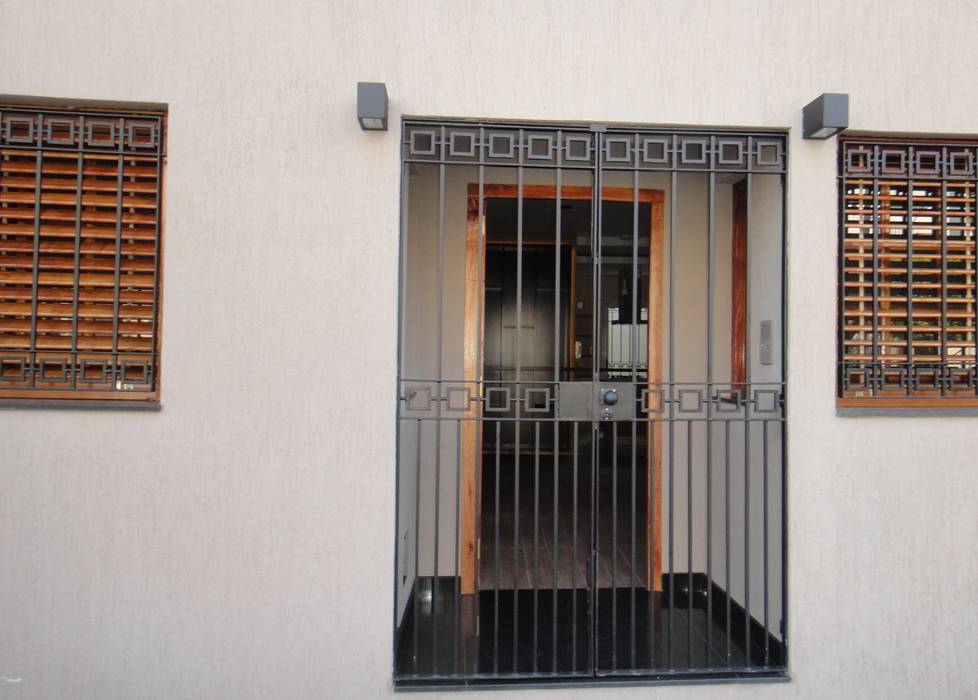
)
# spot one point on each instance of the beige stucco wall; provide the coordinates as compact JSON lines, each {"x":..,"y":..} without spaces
{"x":240,"y":542}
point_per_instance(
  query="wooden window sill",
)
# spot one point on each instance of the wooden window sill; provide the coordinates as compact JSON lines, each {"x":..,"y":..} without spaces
{"x":82,"y":404}
{"x":902,"y":406}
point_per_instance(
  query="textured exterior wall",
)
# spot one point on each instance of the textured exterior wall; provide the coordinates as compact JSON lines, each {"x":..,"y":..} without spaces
{"x":240,"y":542}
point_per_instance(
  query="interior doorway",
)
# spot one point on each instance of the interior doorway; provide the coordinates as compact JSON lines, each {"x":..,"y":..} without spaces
{"x":535,"y":522}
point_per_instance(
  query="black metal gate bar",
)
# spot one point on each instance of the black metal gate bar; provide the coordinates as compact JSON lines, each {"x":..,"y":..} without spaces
{"x":558,"y":363}
{"x":595,"y":549}
{"x":633,"y":351}
{"x":674,"y":186}
{"x":519,"y":409}
{"x":480,"y":265}
{"x":747,"y":425}
{"x":440,"y":320}
{"x":448,"y":644}
{"x":767,"y":655}
{"x":498,"y":579}
{"x":726,"y":538}
{"x":458,"y":552}
{"x":710,"y":275}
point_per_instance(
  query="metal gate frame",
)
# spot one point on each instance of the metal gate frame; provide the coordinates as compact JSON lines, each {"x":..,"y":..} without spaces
{"x":599,"y":149}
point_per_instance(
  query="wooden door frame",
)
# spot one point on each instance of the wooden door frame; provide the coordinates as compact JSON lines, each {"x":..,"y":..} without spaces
{"x":474,"y":333}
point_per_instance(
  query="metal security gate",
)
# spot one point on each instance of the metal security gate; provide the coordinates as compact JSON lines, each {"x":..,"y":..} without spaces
{"x":590,"y":405}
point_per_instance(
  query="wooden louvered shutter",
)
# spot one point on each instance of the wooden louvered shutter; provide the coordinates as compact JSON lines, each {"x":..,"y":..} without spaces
{"x":80,"y":245}
{"x":907,"y":279}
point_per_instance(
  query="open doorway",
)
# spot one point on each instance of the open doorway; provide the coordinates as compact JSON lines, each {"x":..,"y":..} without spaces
{"x":535,"y":514}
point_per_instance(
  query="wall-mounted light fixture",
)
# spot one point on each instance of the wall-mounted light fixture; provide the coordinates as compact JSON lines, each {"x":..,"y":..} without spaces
{"x":372,"y":106}
{"x":825,"y":116}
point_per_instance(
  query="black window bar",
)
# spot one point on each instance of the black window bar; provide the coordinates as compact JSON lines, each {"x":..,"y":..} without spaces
{"x":590,"y":405}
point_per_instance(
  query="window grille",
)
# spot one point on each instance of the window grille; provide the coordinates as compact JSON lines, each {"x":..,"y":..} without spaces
{"x":907,"y":273}
{"x":80,"y":245}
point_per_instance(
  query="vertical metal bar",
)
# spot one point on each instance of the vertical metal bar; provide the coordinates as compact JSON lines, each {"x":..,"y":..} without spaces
{"x":519,"y":396}
{"x":634,"y":423}
{"x":36,"y":265}
{"x":972,"y":308}
{"x":841,"y":223}
{"x":555,"y":552}
{"x":498,"y":578}
{"x":945,"y":368}
{"x":438,"y":404}
{"x":458,"y":552}
{"x":650,"y":547}
{"x":631,"y":577}
{"x":417,"y":552}
{"x":118,"y":370}
{"x":479,"y":388}
{"x":76,"y":263}
{"x":595,"y":539}
{"x":157,"y":262}
{"x":748,"y":407}
{"x":767,"y":655}
{"x":783,"y":423}
{"x":558,"y":199}
{"x":558,"y":362}
{"x":876,"y":274}
{"x":910,"y":286}
{"x":596,"y":234}
{"x":614,"y":545}
{"x":672,"y":379}
{"x":711,"y":271}
{"x":727,"y":581}
{"x":574,"y":547}
{"x":689,"y":543}
{"x":536,"y":535}
{"x":747,"y":465}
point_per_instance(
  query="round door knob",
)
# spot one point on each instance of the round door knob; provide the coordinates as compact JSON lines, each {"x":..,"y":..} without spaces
{"x":609,"y":397}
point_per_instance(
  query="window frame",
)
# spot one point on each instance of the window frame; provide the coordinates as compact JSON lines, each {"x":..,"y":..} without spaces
{"x":115,"y":377}
{"x":877,"y":166}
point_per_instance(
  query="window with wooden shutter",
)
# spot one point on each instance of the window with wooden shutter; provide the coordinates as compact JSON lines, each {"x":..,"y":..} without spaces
{"x":907,"y":278}
{"x":80,"y":249}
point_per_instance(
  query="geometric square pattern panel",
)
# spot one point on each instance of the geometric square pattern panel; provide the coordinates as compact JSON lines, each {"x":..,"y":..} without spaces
{"x":614,"y":148}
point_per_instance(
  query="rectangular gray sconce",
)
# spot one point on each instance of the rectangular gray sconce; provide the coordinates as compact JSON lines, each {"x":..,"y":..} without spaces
{"x":372,"y":106}
{"x":825,"y":116}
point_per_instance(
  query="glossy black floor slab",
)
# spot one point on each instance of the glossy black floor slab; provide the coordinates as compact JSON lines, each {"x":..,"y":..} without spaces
{"x":542,"y":633}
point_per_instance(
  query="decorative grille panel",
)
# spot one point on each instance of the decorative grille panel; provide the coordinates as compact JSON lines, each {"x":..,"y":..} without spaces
{"x":80,"y":198}
{"x":907,"y":270}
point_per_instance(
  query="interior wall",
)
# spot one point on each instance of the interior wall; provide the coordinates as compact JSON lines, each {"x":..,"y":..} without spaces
{"x":731,"y":448}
